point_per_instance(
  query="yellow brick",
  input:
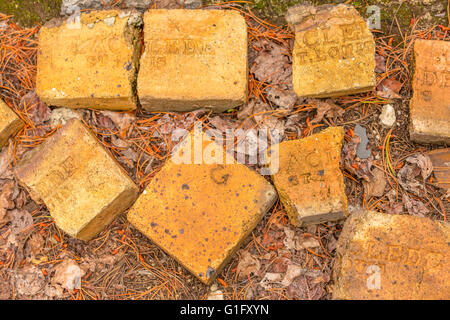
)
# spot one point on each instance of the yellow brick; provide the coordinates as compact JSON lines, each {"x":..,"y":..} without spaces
{"x":10,"y":123}
{"x":334,"y":51}
{"x":193,"y":59}
{"x":201,"y":213}
{"x":309,"y":181}
{"x":430,"y":104}
{"x":384,"y":256}
{"x":81,"y":184}
{"x":87,"y":62}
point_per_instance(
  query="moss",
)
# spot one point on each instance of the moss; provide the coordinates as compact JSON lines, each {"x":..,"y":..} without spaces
{"x":28,"y":13}
{"x":434,"y":11}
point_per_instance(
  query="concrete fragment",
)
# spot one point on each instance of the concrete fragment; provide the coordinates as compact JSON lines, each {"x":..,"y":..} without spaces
{"x":199,"y":59}
{"x":82,"y":186}
{"x":10,"y":123}
{"x":89,"y":61}
{"x":384,"y":256}
{"x":200,"y":213}
{"x":430,"y":104}
{"x":309,"y":181}
{"x":334,"y":51}
{"x":387,"y":116}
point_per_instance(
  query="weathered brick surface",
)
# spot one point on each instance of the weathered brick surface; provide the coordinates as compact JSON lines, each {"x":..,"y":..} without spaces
{"x":81,"y":184}
{"x":201,"y":213}
{"x":87,"y":62}
{"x":334,"y":51}
{"x":410,"y":256}
{"x":309,"y":181}
{"x":192,"y":59}
{"x":430,"y":104}
{"x":10,"y":123}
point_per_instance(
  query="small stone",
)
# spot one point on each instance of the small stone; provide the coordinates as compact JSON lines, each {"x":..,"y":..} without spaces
{"x":334,"y":51}
{"x":215,"y":295}
{"x":82,"y":186}
{"x":59,"y":116}
{"x":396,"y":257}
{"x":200,"y":212}
{"x":199,"y":59}
{"x":88,"y":61}
{"x":430,"y":105}
{"x":309,"y":181}
{"x":387,"y":116}
{"x":10,"y":123}
{"x":361,"y":150}
{"x":190,"y":4}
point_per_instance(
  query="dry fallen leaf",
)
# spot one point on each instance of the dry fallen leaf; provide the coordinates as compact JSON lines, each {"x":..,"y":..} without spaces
{"x":29,"y":280}
{"x":415,"y":207}
{"x":375,"y":187}
{"x":325,"y":108}
{"x":68,"y":275}
{"x":247,"y":265}
{"x":418,"y":164}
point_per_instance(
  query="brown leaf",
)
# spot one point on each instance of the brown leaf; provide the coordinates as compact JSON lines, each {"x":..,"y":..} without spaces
{"x":121,"y":120}
{"x":389,"y":89}
{"x":418,"y":164}
{"x":105,"y":121}
{"x":375,"y":187}
{"x":415,"y":207}
{"x":272,"y":64}
{"x":29,"y":280}
{"x":391,"y":207}
{"x":37,"y":110}
{"x":380,"y":64}
{"x":325,"y":108}
{"x":68,"y":275}
{"x":285,"y":99}
{"x":247,"y":265}
{"x":220,"y":123}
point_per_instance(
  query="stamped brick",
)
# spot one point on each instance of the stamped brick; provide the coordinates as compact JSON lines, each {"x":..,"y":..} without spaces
{"x":309,"y":181}
{"x":430,"y":104}
{"x":89,"y":61}
{"x":201,"y":213}
{"x":334,"y":51}
{"x":384,"y":256}
{"x":193,"y":59}
{"x":10,"y":123}
{"x":83,"y":187}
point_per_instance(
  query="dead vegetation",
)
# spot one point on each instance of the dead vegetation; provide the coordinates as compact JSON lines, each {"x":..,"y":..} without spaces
{"x":278,"y":261}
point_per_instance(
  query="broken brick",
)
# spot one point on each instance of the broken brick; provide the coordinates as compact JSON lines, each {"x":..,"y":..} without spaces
{"x":389,"y":256}
{"x":430,"y":104}
{"x":309,"y":181}
{"x":89,"y":61}
{"x":10,"y":123}
{"x":440,"y":158}
{"x":83,"y":187}
{"x":334,"y":51}
{"x":200,"y":213}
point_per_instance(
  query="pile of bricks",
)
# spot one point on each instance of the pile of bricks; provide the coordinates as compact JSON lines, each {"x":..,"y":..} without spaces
{"x":200,"y":213}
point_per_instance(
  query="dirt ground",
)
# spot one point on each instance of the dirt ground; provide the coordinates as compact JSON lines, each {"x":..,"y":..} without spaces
{"x":121,"y":263}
